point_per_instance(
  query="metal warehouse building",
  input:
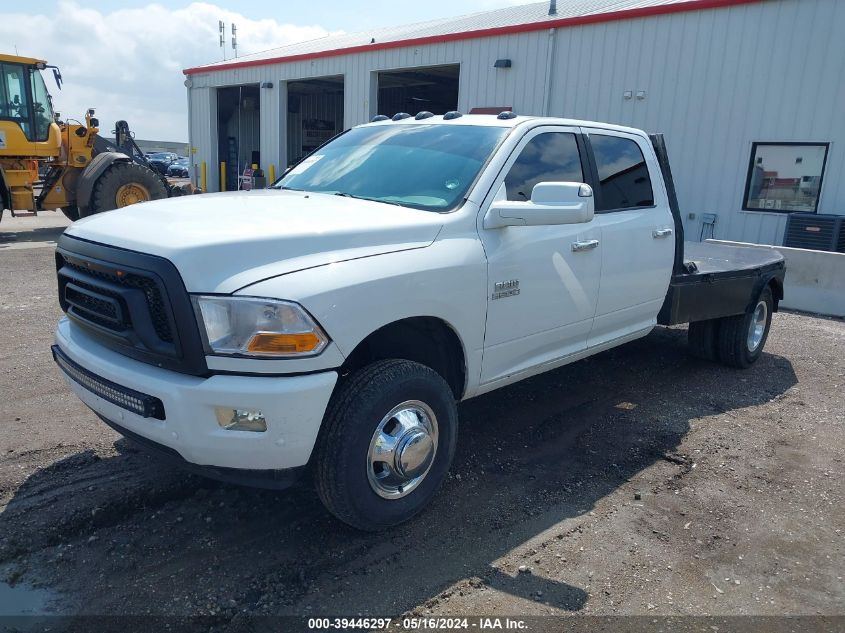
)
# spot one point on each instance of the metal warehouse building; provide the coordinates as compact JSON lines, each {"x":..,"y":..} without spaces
{"x":749,"y":93}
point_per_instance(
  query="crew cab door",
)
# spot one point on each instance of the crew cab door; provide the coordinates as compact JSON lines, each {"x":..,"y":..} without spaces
{"x":543,"y":281}
{"x":638,"y":241}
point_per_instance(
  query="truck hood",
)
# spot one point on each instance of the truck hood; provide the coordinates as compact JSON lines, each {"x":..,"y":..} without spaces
{"x":223,"y":242}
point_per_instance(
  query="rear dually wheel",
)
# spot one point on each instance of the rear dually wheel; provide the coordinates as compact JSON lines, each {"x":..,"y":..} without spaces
{"x":742,"y":338}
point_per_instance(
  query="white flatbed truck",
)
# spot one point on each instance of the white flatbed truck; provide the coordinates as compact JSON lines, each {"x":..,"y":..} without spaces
{"x":330,"y":323}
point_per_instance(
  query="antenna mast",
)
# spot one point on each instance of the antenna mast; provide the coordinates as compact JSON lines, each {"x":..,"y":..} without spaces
{"x":221,"y":27}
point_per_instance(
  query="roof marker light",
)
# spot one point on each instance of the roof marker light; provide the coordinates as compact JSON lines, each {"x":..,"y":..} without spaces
{"x":401,"y":115}
{"x":452,"y":114}
{"x":379,"y":117}
{"x":425,"y":114}
{"x":504,"y":116}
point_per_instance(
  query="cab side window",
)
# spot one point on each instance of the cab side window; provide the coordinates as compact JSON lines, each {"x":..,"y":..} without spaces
{"x":548,"y":157}
{"x":623,"y":174}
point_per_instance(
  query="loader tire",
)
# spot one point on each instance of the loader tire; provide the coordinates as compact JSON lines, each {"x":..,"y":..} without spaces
{"x":71,"y":212}
{"x":123,"y":184}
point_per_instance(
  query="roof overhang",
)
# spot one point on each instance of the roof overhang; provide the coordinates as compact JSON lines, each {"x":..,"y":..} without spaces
{"x":596,"y":18}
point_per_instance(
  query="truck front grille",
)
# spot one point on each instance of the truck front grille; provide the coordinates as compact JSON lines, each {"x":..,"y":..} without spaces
{"x":134,"y":303}
{"x":151,"y":291}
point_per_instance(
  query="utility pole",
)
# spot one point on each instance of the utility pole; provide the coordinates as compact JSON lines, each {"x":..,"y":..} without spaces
{"x":234,"y":39}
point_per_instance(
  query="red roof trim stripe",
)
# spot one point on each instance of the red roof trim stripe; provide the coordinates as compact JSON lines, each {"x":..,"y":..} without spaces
{"x":611,"y":16}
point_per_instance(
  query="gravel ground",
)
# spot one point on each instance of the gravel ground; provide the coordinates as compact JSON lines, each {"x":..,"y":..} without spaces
{"x":640,"y":481}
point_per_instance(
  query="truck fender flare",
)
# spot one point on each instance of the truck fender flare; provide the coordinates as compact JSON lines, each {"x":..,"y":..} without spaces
{"x":772,"y":278}
{"x":91,"y":173}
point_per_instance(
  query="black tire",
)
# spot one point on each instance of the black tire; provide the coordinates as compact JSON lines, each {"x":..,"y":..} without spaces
{"x":71,"y":213}
{"x":734,"y":347}
{"x":354,"y":414}
{"x":104,"y":196}
{"x":703,"y":338}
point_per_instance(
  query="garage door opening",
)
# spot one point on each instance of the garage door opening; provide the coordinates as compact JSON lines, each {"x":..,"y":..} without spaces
{"x":238,"y":131}
{"x":315,"y":114}
{"x":412,"y":90}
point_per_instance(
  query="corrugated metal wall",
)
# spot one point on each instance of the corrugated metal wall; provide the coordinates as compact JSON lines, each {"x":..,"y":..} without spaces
{"x":714,"y":82}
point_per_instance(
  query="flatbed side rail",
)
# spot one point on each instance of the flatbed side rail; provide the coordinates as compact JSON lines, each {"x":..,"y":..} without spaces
{"x":699,"y":297}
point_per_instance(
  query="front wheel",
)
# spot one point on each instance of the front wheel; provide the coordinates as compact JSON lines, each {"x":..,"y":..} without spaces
{"x":386,"y":444}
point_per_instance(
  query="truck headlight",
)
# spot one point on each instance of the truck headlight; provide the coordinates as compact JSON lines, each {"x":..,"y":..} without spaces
{"x":251,"y":326}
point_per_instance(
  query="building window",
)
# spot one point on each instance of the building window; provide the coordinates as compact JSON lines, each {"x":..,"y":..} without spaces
{"x":623,"y":175}
{"x":785,"y":177}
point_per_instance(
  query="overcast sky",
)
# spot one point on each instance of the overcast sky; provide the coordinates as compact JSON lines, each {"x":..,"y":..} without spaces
{"x":126,"y":58}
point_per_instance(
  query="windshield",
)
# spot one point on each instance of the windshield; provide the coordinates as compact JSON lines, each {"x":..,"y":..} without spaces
{"x":427,"y":167}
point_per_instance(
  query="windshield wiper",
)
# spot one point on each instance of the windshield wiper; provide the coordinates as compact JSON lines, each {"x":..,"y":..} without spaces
{"x":289,"y":188}
{"x":344,"y":194}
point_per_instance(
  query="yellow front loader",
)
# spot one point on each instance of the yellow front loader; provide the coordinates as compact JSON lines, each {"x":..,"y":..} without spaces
{"x":47,"y":163}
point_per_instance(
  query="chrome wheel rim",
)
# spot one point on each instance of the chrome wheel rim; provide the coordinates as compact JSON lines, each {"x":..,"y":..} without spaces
{"x":758,"y":326}
{"x":402,"y":449}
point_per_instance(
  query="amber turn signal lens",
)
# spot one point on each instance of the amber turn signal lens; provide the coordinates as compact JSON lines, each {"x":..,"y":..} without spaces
{"x":275,"y":343}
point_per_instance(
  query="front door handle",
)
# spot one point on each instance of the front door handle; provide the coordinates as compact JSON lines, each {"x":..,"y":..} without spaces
{"x":658,"y":233}
{"x":585,"y":245}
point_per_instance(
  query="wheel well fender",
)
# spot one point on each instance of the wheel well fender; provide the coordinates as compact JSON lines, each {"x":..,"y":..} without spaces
{"x":777,"y":291}
{"x":771,"y":281}
{"x":430,"y":341}
{"x":91,"y":173}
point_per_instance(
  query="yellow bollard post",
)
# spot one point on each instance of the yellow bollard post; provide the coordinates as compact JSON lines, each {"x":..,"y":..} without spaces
{"x":271,"y":173}
{"x":223,"y":175}
{"x":202,"y":177}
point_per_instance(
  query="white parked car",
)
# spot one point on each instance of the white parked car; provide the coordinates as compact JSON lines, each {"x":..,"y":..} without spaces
{"x":330,"y":324}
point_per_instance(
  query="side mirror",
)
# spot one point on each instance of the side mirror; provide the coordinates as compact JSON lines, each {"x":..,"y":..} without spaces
{"x":551,"y":203}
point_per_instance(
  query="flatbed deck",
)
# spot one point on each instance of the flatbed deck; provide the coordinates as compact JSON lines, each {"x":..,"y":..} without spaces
{"x":720,"y":280}
{"x":724,"y":259}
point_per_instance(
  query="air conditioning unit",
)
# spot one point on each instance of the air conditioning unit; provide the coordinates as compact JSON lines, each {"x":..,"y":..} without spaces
{"x":815,"y":231}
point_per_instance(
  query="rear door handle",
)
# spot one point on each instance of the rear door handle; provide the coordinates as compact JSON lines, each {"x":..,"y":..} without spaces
{"x":658,"y":233}
{"x":585,"y":245}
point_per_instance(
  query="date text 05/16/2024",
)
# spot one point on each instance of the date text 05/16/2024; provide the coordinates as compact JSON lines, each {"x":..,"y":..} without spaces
{"x":415,"y":624}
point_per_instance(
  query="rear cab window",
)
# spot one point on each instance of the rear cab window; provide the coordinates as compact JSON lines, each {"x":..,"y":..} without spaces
{"x":623,"y":178}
